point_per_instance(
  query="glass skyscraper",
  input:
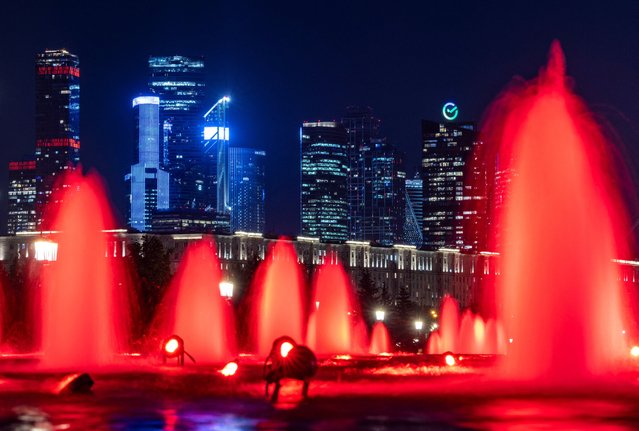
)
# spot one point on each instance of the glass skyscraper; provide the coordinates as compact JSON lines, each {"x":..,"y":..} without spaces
{"x":453,"y":187}
{"x":57,"y":127}
{"x":361,"y":127}
{"x":247,"y":189}
{"x":413,"y":226}
{"x":22,"y":195}
{"x":179,"y":83}
{"x":324,"y":171}
{"x":384,"y":202}
{"x":149,"y":184}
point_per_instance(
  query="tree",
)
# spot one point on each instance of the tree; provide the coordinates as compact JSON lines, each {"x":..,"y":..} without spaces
{"x":153,"y":267}
{"x":368,"y":296}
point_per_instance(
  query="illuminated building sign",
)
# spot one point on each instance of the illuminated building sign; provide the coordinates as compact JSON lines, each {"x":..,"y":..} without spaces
{"x":220,"y":133}
{"x":58,"y":142}
{"x":22,"y":166}
{"x":450,"y":111}
{"x":59,"y":70}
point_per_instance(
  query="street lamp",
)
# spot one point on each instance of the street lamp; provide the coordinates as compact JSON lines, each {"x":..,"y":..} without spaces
{"x":419,"y":325}
{"x":226,"y":290}
{"x":379,"y":315}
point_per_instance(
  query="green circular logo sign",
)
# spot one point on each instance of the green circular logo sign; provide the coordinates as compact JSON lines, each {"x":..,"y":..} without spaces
{"x":450,"y":111}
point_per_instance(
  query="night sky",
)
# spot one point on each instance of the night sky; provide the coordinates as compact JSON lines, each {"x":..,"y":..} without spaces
{"x":284,"y":62}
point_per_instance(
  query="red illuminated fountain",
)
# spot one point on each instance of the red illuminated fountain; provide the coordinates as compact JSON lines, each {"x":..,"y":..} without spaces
{"x":380,"y":340}
{"x":558,"y":293}
{"x":277,"y":298}
{"x":470,"y":335}
{"x":84,"y":306}
{"x":335,"y":324}
{"x":194,"y":309}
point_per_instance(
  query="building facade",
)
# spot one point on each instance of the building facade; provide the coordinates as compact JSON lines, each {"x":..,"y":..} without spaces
{"x":454,"y":189}
{"x":22,"y":195}
{"x":361,"y":127}
{"x":179,"y":83}
{"x":324,"y":172}
{"x":413,"y":227}
{"x":247,"y":178}
{"x":57,"y":125}
{"x":148,"y":183}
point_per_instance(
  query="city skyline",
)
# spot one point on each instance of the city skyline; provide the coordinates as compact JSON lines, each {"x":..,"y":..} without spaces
{"x":403,"y":89}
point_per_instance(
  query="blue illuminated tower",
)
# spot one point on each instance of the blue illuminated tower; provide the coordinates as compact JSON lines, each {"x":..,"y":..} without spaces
{"x":149,"y":184}
{"x":247,"y":189}
{"x":216,"y":148}
{"x":179,"y":83}
{"x":324,"y":189}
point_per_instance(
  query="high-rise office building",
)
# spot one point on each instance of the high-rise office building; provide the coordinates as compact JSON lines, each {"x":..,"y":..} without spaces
{"x":22,"y":197}
{"x":148,"y":183}
{"x":216,"y":149}
{"x":324,"y":171}
{"x":57,"y":126}
{"x":361,"y":127}
{"x":247,"y":189}
{"x":453,"y":186}
{"x":385,"y":191}
{"x":179,"y":83}
{"x":414,"y":219}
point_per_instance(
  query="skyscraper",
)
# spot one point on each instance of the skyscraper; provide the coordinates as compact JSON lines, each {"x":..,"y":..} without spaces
{"x":149,"y":184}
{"x":324,"y":171}
{"x":385,"y":190}
{"x":414,"y":219}
{"x":247,"y":189}
{"x":179,"y":83}
{"x":22,"y":197}
{"x":361,"y":127}
{"x":454,"y":198}
{"x":57,"y":127}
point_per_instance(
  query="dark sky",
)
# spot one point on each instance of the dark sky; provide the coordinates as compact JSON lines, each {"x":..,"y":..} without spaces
{"x":285,"y":62}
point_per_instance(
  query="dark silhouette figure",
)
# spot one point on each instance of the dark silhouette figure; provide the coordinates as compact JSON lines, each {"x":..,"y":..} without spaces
{"x":288,"y":360}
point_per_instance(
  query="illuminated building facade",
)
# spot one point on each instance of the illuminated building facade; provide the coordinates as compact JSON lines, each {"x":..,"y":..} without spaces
{"x":361,"y":127}
{"x":22,"y":195}
{"x":385,"y":193}
{"x":247,"y":168}
{"x":179,"y":83}
{"x":57,"y":125}
{"x":148,"y":183}
{"x":454,"y":187}
{"x":414,"y":211}
{"x":324,"y":171}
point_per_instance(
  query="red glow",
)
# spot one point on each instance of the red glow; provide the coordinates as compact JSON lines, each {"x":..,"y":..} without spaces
{"x":194,"y":309}
{"x":277,"y":295}
{"x":59,"y":70}
{"x":560,"y":226}
{"x":58,"y":142}
{"x":333,"y":325}
{"x":285,"y":348}
{"x":28,"y":165}
{"x":380,"y":339}
{"x":85,"y":309}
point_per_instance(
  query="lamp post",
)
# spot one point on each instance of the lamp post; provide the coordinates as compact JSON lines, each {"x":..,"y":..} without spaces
{"x":226,"y":290}
{"x":379,"y":315}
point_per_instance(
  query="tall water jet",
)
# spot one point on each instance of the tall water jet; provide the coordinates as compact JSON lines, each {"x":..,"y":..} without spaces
{"x":380,"y":339}
{"x":558,"y":293}
{"x":84,"y":312}
{"x":277,"y":298}
{"x":449,"y":325}
{"x":335,"y":313}
{"x":194,"y":309}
